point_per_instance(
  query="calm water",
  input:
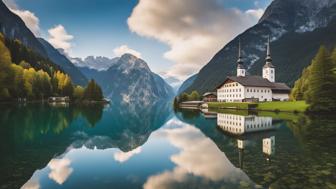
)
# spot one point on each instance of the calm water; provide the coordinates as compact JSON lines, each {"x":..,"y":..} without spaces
{"x":153,"y":147}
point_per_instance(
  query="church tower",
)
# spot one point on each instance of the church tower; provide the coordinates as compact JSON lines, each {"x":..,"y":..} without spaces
{"x":269,"y":69}
{"x":241,"y":71}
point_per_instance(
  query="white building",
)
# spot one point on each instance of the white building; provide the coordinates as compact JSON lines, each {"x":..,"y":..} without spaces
{"x":238,"y":124}
{"x":243,"y":87}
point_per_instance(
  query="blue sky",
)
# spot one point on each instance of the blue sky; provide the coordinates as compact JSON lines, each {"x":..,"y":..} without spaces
{"x":168,"y":34}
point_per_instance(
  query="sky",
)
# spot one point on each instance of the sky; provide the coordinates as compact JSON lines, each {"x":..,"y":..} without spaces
{"x":175,"y":37}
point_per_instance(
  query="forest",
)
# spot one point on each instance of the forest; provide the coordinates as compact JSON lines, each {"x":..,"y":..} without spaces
{"x":26,"y":74}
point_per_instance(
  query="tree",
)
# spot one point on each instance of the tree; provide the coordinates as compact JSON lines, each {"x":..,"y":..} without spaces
{"x":194,"y":96}
{"x":78,"y":92}
{"x":321,"y":85}
{"x":93,"y":91}
{"x":6,"y":74}
{"x":301,"y":86}
{"x":184,"y":97}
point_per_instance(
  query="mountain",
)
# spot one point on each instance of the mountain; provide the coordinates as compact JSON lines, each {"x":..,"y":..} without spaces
{"x":129,"y":79}
{"x":98,"y":63}
{"x":61,"y":60}
{"x":297,"y":29}
{"x":13,"y":27}
{"x":187,"y":83}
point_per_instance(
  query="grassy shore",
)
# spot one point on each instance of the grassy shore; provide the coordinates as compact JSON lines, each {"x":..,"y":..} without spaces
{"x":290,"y":106}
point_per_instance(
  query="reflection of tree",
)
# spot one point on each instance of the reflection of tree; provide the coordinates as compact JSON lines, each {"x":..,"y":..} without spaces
{"x":32,"y":121}
{"x":93,"y":113}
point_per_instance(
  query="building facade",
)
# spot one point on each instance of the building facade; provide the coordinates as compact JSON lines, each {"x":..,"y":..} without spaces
{"x":245,"y":88}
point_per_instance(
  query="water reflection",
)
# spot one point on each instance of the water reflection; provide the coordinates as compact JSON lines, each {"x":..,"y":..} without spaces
{"x":137,"y":146}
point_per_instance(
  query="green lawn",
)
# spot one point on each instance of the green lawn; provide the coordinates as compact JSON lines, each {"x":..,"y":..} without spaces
{"x":290,"y":106}
{"x":233,"y":105}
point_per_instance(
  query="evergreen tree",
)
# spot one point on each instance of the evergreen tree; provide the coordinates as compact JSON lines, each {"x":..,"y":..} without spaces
{"x":93,"y":91}
{"x":184,"y":97}
{"x":321,"y":85}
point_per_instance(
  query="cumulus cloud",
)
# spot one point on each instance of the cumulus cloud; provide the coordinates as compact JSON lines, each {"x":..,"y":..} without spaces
{"x":28,"y":17}
{"x":60,"y":170}
{"x":60,"y":38}
{"x":124,"y":156}
{"x":193,"y":29}
{"x":123,"y":49}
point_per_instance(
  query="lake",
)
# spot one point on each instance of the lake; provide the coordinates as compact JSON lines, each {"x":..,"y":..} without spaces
{"x":152,"y":146}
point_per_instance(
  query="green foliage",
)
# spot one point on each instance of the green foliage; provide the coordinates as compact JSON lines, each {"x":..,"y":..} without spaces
{"x":78,"y":92}
{"x":194,"y":96}
{"x":93,"y":91}
{"x":24,"y":74}
{"x":6,"y":74}
{"x":233,"y":105}
{"x":184,"y":97}
{"x":21,"y":53}
{"x":317,"y":83}
{"x":322,"y":80}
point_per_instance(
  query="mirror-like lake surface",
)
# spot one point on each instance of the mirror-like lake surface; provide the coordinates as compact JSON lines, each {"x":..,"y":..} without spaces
{"x":152,"y":146}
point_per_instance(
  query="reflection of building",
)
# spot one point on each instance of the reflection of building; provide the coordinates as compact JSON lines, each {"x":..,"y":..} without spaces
{"x":237,"y":124}
{"x":269,"y":145}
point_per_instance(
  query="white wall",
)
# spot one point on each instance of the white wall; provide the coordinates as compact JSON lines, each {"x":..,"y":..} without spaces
{"x":231,"y":92}
{"x":269,"y":73}
{"x":262,"y":93}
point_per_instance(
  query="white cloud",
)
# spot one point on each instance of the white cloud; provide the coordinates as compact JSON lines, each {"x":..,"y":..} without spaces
{"x":124,"y":156}
{"x":28,"y":17}
{"x":194,"y":29}
{"x":60,"y":38}
{"x":60,"y":170}
{"x":123,"y":49}
{"x":257,"y":13}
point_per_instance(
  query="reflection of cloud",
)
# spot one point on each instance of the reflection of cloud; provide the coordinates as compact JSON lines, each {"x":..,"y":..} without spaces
{"x":124,"y":156}
{"x":60,"y":170}
{"x":31,"y":184}
{"x":199,"y":156}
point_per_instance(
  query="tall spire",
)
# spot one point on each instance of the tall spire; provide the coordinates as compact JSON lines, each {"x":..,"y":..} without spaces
{"x":240,"y":60}
{"x":268,"y":56}
{"x":269,"y":47}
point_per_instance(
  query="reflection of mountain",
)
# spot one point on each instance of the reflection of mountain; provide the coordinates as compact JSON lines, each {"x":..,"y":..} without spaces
{"x":126,"y":126}
{"x":32,"y":135}
{"x":306,"y":156}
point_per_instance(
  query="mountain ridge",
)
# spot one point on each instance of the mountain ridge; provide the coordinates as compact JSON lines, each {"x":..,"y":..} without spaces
{"x":130,"y":80}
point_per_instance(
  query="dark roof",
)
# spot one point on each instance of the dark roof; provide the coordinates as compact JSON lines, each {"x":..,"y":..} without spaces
{"x":257,"y":81}
{"x":210,"y":93}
